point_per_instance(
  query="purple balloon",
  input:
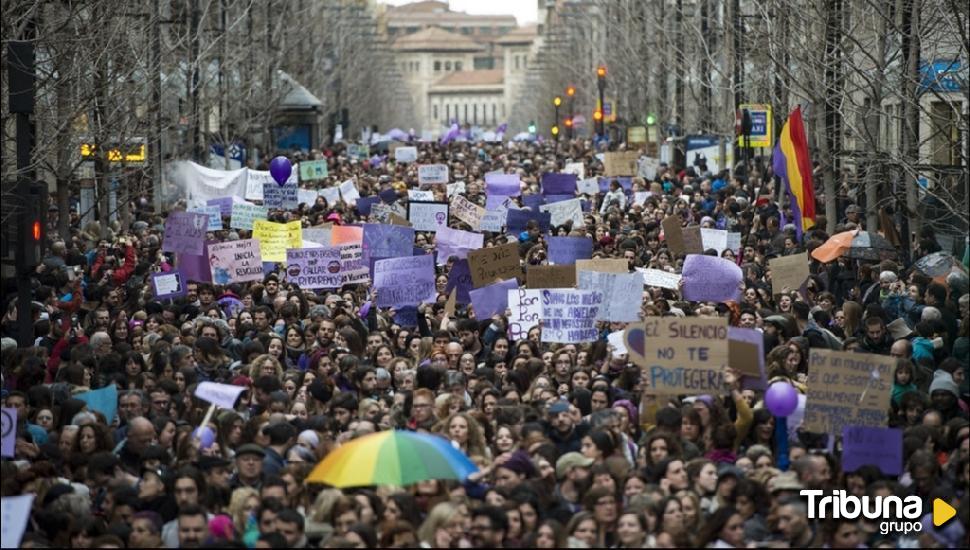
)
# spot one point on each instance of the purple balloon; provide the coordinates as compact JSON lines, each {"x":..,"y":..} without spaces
{"x":280,"y":168}
{"x":205,"y":435}
{"x":781,"y":399}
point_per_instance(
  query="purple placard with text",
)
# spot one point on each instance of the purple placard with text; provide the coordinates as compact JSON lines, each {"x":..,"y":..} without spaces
{"x":880,"y":447}
{"x":224,"y":204}
{"x":185,"y":233}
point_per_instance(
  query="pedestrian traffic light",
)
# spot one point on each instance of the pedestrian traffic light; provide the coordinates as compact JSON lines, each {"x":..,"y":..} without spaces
{"x":557,"y":101}
{"x":532,"y":127}
{"x":571,"y":91}
{"x":555,"y":130}
{"x":651,"y":119}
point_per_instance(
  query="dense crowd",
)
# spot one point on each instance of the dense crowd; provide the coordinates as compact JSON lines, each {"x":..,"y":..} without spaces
{"x":573,"y":450}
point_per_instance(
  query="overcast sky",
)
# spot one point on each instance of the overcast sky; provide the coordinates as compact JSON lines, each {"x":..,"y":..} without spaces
{"x":523,"y":10}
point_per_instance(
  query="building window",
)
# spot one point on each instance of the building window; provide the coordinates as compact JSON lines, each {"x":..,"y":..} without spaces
{"x":447,"y":65}
{"x":503,"y":111}
{"x":493,"y":114}
{"x":457,"y":65}
{"x":437,"y":66}
{"x":465,"y":118}
{"x":434,"y":110}
{"x":946,"y":137}
{"x":485,"y":31}
{"x":466,"y":30}
{"x":448,"y":111}
{"x":516,"y":62}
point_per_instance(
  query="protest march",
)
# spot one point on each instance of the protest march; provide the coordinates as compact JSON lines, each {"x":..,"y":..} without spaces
{"x":463,"y":343}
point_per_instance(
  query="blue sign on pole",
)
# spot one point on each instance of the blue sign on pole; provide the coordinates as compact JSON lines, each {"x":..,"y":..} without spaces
{"x":942,"y":75}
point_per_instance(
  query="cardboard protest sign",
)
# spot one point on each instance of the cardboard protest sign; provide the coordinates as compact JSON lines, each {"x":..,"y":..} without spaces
{"x":553,"y":183}
{"x":550,"y":276}
{"x":103,"y":400}
{"x":612,"y":265}
{"x":185,"y":233}
{"x":15,"y":512}
{"x":455,"y":242}
{"x":467,"y":211}
{"x":505,"y":185}
{"x":213,"y":212}
{"x":221,"y":395}
{"x":526,"y":308}
{"x":432,"y":174}
{"x":516,"y":221}
{"x":398,"y":219}
{"x":353,"y":268}
{"x":622,"y":294}
{"x":660,"y":278}
{"x":847,"y":389}
{"x":868,"y":446}
{"x":492,"y":299}
{"x":405,"y":281}
{"x":620,"y":163}
{"x":563,"y":211}
{"x":569,"y":316}
{"x":566,"y":250}
{"x":244,"y":214}
{"x":498,"y":262}
{"x":693,"y":241}
{"x":348,"y":191}
{"x":636,"y":134}
{"x":387,"y":241}
{"x":281,"y":197}
{"x":746,"y":354}
{"x":428,"y":216}
{"x":406,"y":154}
{"x":236,"y":262}
{"x":275,"y":238}
{"x":460,"y":281}
{"x":673,"y":234}
{"x":685,"y":355}
{"x":169,"y":285}
{"x":314,"y":170}
{"x":788,"y":271}
{"x":314,"y":268}
{"x":711,"y":279}
{"x":9,"y":432}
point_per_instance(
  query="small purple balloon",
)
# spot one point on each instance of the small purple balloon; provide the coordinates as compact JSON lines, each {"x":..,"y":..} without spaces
{"x":280,"y":168}
{"x":781,"y":399}
{"x":205,"y":435}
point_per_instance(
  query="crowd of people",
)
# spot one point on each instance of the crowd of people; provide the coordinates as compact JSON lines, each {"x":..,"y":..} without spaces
{"x":572,"y":449}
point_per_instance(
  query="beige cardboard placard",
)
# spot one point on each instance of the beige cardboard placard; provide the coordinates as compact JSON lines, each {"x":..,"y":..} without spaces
{"x":398,"y":220}
{"x":685,"y":356}
{"x":450,"y":304}
{"x":497,"y":263}
{"x":693,"y":242}
{"x":550,"y":276}
{"x":620,"y":163}
{"x":788,"y":271}
{"x":603,"y":266}
{"x":847,"y":389}
{"x":673,"y":234}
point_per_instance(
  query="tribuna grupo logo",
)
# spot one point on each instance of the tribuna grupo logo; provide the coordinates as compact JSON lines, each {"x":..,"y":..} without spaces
{"x":898,"y":515}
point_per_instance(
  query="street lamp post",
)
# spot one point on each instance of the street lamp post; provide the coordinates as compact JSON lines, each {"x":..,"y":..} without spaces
{"x":556,"y":102}
{"x":571,"y":94}
{"x":601,"y":84}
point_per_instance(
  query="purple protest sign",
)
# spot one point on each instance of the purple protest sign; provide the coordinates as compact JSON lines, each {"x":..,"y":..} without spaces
{"x":460,"y":277}
{"x":711,"y":279}
{"x":406,"y":316}
{"x":405,"y":281}
{"x":516,"y":220}
{"x":169,"y":285}
{"x":388,"y":195}
{"x":387,"y":241}
{"x":315,"y":268}
{"x":506,"y":185}
{"x":492,"y":299}
{"x":533,"y":201}
{"x":551,"y":199}
{"x":237,"y":261}
{"x":554,"y":183}
{"x":9,"y":425}
{"x":364,"y":204}
{"x":224,"y":204}
{"x":880,"y":447}
{"x":626,"y":183}
{"x":455,"y":242}
{"x":196,"y":267}
{"x":185,"y":233}
{"x":566,"y":250}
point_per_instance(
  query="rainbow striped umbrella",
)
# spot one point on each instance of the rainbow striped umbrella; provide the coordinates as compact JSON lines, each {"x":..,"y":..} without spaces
{"x":394,"y":457}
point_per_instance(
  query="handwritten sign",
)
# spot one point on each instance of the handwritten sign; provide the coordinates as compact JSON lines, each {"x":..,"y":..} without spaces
{"x":14,"y":513}
{"x":281,"y":197}
{"x":352,"y":265}
{"x":621,"y":163}
{"x":314,"y":268}
{"x":185,"y":233}
{"x":460,"y":281}
{"x":387,"y":241}
{"x":550,"y":276}
{"x":489,"y":264}
{"x":622,"y":294}
{"x":711,"y":279}
{"x":566,"y":250}
{"x":685,"y":355}
{"x":432,"y":174}
{"x":420,"y":195}
{"x":847,"y":389}
{"x":404,"y":281}
{"x":274,"y":238}
{"x":213,"y":212}
{"x":467,"y":211}
{"x":244,"y":214}
{"x":564,"y":211}
{"x":496,"y":214}
{"x":577,"y":168}
{"x":406,"y":154}
{"x":660,"y":278}
{"x":169,"y":285}
{"x":428,"y":216}
{"x":235,"y":262}
{"x":455,"y":242}
{"x":505,"y":185}
{"x":9,"y":431}
{"x":569,"y":316}
{"x":603,"y":265}
{"x":457,"y":188}
{"x":526,"y":310}
{"x":673,"y":234}
{"x":588,"y":186}
{"x":221,"y":395}
{"x":788,"y":271}
{"x":348,"y":191}
{"x":866,"y":446}
{"x":314,"y":170}
{"x":746,"y":354}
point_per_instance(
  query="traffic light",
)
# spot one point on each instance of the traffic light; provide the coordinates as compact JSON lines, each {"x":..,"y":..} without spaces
{"x":571,"y":91}
{"x":651,"y":119}
{"x":557,"y":101}
{"x":568,"y":122}
{"x":598,"y":115}
{"x":601,"y":72}
{"x":555,"y":130}
{"x":532,"y":126}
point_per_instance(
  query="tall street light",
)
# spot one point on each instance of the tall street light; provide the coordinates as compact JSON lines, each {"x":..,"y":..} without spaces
{"x":601,"y":84}
{"x":571,"y":94}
